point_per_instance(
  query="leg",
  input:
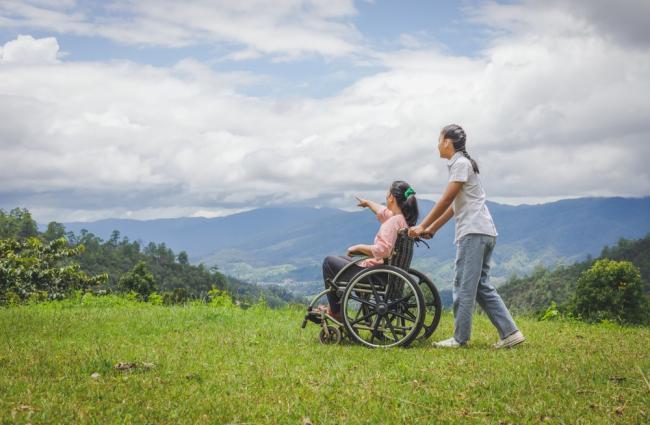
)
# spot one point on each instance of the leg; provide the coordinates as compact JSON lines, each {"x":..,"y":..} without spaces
{"x":489,"y":299}
{"x":331,"y":266}
{"x":469,"y":261}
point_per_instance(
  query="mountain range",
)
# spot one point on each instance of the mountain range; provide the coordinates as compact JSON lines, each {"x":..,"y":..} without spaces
{"x":287,"y":245}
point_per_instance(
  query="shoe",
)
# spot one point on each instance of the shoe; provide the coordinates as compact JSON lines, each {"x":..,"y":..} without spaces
{"x":327,"y":310}
{"x":320,"y":309}
{"x":448,"y":343}
{"x":338,"y":317}
{"x":510,"y":341}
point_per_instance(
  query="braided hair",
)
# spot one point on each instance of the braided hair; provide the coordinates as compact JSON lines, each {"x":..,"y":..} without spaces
{"x":406,"y":201}
{"x":456,"y":134}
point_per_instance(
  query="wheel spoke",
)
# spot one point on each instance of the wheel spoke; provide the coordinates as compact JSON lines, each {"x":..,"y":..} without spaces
{"x":403,"y":329}
{"x":410,"y":314}
{"x":401,"y":300}
{"x":374,"y":291}
{"x":403,"y":317}
{"x":362,"y":301}
{"x":374,"y":329}
{"x":356,"y":316}
{"x":366,"y":317}
{"x":392,"y":329}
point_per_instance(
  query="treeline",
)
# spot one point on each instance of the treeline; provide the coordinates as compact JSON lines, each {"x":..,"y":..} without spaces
{"x":534,"y":293}
{"x":124,"y":261}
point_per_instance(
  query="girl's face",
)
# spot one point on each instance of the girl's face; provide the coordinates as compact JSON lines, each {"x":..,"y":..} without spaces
{"x":390,"y":199}
{"x":444,"y":145}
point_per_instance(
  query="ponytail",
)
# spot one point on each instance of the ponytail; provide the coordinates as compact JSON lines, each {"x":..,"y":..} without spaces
{"x":456,"y":134}
{"x":406,"y":201}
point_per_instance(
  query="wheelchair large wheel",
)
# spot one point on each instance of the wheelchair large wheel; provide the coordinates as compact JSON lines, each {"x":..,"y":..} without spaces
{"x":432,"y":303}
{"x":383,"y":307}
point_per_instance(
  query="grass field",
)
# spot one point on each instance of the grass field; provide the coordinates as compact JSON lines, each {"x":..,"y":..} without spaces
{"x":200,"y":364}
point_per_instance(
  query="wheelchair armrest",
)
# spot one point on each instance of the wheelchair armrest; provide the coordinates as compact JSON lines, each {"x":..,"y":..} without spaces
{"x":358,"y":257}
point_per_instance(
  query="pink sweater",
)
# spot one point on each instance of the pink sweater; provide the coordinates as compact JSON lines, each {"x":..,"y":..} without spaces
{"x":386,"y":237}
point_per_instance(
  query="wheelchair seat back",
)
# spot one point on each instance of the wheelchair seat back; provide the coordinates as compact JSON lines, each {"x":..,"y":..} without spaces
{"x":401,"y":258}
{"x":402,"y":252}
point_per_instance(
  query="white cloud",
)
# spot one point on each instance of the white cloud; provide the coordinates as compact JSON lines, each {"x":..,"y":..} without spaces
{"x":549,"y":114}
{"x":25,"y":49}
{"x":624,"y":21}
{"x":284,"y":28}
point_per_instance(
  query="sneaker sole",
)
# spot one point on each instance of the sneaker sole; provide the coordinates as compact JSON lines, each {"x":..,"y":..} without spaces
{"x":514,"y":343}
{"x":450,"y":346}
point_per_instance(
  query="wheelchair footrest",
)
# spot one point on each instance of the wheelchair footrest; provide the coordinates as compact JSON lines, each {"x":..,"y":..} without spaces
{"x":313,"y":316}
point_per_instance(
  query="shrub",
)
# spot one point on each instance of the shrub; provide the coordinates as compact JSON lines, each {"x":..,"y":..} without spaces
{"x":612,"y":291}
{"x":177,"y":296}
{"x":139,"y":281}
{"x":155,"y":298}
{"x":219,"y":298}
{"x":33,"y":270}
{"x":551,"y":313}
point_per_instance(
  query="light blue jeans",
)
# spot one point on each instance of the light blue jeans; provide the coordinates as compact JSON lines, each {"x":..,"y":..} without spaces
{"x":471,"y":283}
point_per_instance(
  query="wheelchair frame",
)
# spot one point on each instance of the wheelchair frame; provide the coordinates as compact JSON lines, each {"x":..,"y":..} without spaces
{"x":384,"y":300}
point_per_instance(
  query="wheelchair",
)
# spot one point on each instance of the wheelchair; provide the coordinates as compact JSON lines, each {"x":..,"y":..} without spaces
{"x":383,"y":306}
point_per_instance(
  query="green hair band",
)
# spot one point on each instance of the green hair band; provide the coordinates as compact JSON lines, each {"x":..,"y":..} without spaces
{"x":409,"y":192}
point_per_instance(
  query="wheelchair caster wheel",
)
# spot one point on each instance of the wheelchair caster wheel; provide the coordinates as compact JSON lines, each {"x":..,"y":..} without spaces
{"x":331,"y":336}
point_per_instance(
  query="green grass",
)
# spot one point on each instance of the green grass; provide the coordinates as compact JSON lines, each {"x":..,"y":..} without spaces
{"x":257,"y":366}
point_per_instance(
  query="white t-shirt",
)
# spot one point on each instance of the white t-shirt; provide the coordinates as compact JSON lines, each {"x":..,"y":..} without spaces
{"x":470,"y":211}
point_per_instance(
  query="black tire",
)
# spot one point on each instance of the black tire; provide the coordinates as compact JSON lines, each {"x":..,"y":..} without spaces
{"x":332,"y":336}
{"x":432,"y":304}
{"x":383,"y":307}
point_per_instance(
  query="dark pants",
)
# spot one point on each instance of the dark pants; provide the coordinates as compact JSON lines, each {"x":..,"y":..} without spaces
{"x":331,"y":266}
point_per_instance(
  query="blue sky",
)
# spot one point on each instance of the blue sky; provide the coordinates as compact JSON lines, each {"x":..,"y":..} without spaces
{"x":384,"y":26}
{"x":156,"y":108}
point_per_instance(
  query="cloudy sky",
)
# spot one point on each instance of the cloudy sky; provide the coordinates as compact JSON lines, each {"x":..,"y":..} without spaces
{"x":160,"y":108}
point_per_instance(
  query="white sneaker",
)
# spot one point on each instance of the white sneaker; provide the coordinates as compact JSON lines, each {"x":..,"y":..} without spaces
{"x":448,"y":343}
{"x":510,"y":341}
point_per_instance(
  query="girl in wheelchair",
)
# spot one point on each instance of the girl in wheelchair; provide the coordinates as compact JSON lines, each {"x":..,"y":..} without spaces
{"x":401,"y":211}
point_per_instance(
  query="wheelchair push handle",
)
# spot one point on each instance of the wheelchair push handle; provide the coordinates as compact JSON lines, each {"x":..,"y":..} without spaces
{"x":418,"y":240}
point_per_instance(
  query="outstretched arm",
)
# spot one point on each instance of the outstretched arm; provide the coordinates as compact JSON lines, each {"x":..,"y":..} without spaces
{"x":441,"y":207}
{"x":365,"y":203}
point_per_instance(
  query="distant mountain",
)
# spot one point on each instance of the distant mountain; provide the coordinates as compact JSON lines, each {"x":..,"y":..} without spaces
{"x":288,"y":244}
{"x":202,"y":236}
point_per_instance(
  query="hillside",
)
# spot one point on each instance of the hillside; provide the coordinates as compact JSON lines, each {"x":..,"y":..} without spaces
{"x":173,"y":277}
{"x":536,"y":291}
{"x":287,"y":245}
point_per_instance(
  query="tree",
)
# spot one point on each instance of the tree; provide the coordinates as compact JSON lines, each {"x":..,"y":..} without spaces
{"x":177,"y":296}
{"x":610,"y":290}
{"x":17,"y":224}
{"x":31,"y":267}
{"x":27,"y":227}
{"x":173,"y":276}
{"x":138,"y":280}
{"x":182,"y":258}
{"x":6,"y":225}
{"x":54,"y":231}
{"x":115,"y":237}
